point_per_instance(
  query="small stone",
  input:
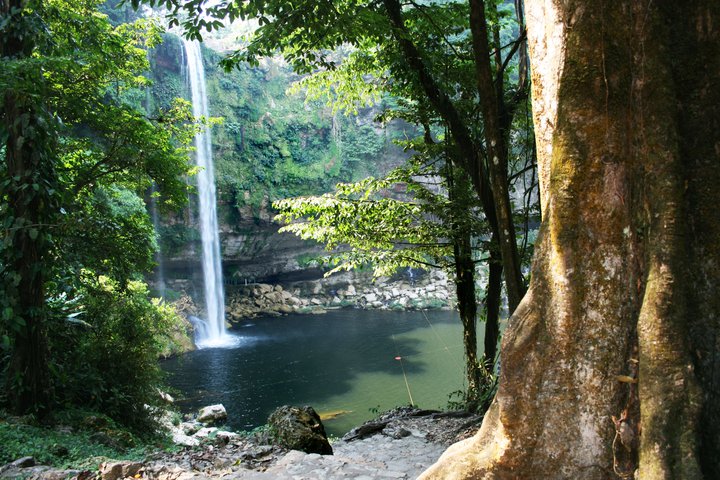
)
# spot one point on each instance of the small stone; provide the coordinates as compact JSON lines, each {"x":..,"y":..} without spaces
{"x":401,"y":433}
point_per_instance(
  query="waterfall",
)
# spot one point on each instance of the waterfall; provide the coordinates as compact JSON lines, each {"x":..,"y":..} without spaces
{"x":214,"y":335}
{"x":160,"y":269}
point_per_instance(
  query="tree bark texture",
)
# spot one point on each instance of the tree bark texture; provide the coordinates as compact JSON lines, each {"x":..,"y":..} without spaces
{"x":610,"y":366}
{"x":28,"y":188}
{"x":467,"y":306}
{"x":493,"y":299}
{"x":497,"y":131}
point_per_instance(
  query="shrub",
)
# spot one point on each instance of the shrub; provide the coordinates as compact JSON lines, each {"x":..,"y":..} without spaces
{"x":109,"y":361}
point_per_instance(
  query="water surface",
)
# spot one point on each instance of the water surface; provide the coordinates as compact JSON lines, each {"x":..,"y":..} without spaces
{"x":350,"y":362}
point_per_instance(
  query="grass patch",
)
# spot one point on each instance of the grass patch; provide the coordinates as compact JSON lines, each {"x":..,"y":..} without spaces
{"x":77,"y":439}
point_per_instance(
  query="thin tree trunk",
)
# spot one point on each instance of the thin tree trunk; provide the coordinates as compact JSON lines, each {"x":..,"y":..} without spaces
{"x":496,"y":138}
{"x":610,"y":364}
{"x":492,"y":189}
{"x":467,"y":306}
{"x":493,"y":298}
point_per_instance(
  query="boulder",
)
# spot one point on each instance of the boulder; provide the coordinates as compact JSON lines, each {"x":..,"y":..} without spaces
{"x":299,"y":428}
{"x":24,"y":462}
{"x":212,"y":414}
{"x":205,"y":432}
{"x":118,"y":470}
{"x":350,"y":291}
{"x":180,"y":438}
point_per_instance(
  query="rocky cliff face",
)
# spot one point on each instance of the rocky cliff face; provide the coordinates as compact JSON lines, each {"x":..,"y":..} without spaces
{"x":252,"y":252}
{"x":269,"y":146}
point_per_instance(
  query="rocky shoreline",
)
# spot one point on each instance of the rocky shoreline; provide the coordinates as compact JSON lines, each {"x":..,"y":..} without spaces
{"x":399,"y":444}
{"x":429,"y":291}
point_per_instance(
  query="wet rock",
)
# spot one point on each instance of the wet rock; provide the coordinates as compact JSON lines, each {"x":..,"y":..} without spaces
{"x":212,"y":414}
{"x":299,"y":428}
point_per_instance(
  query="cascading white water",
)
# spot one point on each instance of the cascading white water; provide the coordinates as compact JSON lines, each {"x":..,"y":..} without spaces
{"x":160,"y":268}
{"x":215,"y":334}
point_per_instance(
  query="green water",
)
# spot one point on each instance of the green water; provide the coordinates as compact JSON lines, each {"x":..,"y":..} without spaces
{"x":344,"y":362}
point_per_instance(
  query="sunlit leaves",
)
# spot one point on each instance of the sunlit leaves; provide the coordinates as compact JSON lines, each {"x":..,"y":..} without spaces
{"x":405,"y":219}
{"x":81,"y":158}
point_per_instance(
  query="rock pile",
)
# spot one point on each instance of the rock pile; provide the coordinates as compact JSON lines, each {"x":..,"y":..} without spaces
{"x":431,"y":291}
{"x":199,"y":426}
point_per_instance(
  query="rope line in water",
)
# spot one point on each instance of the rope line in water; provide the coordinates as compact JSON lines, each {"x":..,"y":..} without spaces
{"x":435,"y":331}
{"x":407,"y":384}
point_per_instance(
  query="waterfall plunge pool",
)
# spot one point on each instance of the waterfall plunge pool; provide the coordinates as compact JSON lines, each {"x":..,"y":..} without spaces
{"x":347,"y":364}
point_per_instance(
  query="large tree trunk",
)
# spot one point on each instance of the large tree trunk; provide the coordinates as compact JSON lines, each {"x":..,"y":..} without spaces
{"x":29,"y":188}
{"x":610,"y":366}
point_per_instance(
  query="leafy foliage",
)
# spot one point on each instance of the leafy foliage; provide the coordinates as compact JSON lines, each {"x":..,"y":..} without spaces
{"x":274,"y":143}
{"x":406,"y":219}
{"x":109,"y":337}
{"x":80,"y":213}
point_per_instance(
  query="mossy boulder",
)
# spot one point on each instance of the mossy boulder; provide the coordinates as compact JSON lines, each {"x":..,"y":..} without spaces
{"x":299,"y":428}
